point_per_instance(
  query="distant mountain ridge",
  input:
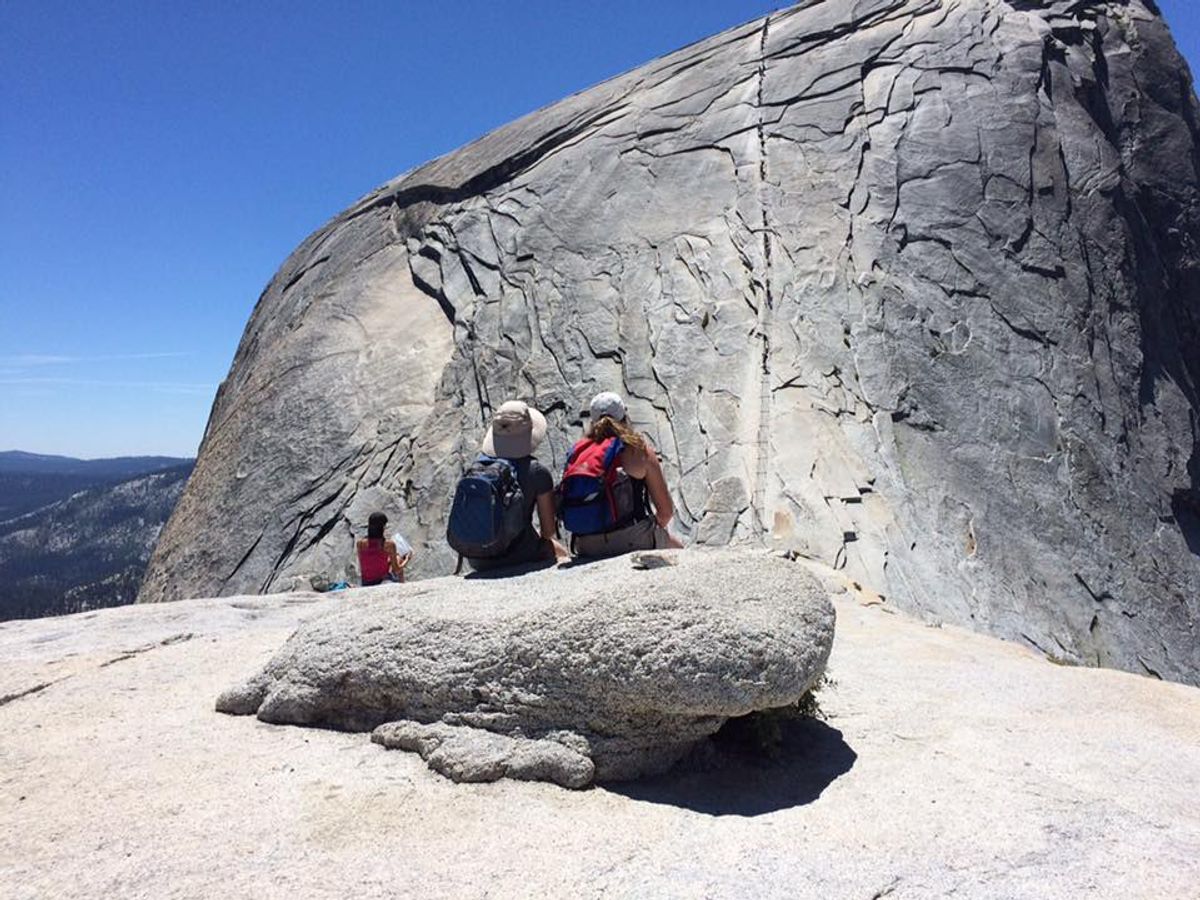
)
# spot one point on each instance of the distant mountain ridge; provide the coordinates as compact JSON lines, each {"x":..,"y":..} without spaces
{"x":30,"y":481}
{"x":87,"y":551}
{"x":76,"y":534}
{"x":22,"y":461}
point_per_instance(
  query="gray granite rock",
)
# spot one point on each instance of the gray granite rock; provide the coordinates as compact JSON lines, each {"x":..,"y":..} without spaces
{"x":596,"y":671}
{"x":910,"y":287}
{"x":950,"y":764}
{"x":466,"y":754}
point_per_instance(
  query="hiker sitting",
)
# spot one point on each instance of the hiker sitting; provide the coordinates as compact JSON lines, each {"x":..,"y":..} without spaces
{"x":491,"y":519}
{"x":614,"y":494}
{"x":378,"y":560}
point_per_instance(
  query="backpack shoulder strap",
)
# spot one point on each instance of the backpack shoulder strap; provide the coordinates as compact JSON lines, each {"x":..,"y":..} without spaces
{"x":613,"y":451}
{"x":507,"y":464}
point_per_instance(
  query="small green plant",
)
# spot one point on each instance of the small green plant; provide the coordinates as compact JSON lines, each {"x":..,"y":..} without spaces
{"x":762,"y":733}
{"x":808,"y":706}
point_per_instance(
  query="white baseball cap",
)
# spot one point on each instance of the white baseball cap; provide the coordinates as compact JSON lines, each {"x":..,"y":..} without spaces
{"x":606,"y":403}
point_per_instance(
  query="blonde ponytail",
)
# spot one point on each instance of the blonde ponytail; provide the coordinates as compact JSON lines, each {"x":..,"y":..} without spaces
{"x":606,"y":427}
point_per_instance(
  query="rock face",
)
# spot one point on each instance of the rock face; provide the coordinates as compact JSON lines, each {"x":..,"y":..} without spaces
{"x":910,"y":287}
{"x":597,"y":671}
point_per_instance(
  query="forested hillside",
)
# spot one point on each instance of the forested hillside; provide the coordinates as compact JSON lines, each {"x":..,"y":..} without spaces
{"x":86,"y":551}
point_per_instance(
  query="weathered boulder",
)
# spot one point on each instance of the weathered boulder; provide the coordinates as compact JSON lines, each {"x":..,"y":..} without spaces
{"x":911,"y":287}
{"x":596,"y":671}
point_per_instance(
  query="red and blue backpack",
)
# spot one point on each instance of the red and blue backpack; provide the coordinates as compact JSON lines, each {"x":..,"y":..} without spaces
{"x":595,"y":494}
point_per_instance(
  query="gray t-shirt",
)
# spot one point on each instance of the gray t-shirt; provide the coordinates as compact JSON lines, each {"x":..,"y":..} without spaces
{"x":535,"y":480}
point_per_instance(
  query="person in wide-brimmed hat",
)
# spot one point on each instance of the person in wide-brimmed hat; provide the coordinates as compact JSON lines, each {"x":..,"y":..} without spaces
{"x":514,"y":434}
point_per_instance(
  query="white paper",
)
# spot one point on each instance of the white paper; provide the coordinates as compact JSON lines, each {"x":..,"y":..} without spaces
{"x":403,"y":548}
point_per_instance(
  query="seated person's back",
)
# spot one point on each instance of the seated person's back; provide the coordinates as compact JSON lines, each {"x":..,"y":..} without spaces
{"x":652,"y":509}
{"x":378,"y":560}
{"x":514,"y":434}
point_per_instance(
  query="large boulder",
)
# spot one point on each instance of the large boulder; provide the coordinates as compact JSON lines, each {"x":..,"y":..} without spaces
{"x":910,"y":287}
{"x":599,"y":671}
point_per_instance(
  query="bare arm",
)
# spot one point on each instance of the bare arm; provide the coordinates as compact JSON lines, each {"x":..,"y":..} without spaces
{"x":548,"y":524}
{"x":646,"y":467}
{"x":660,"y":495}
{"x":395,"y":563}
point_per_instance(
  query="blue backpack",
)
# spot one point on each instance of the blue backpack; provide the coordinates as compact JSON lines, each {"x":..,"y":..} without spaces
{"x":488,"y":513}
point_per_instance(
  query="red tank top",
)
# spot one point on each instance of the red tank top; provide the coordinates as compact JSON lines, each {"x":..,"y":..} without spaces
{"x":373,"y":561}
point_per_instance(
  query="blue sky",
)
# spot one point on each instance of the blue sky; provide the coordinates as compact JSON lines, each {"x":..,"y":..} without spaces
{"x":159,"y":160}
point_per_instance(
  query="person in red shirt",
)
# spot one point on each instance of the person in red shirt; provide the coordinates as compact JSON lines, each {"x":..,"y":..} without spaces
{"x":377,"y":558}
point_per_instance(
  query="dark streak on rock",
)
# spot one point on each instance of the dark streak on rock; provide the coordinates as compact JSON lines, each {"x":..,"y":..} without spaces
{"x":9,"y":698}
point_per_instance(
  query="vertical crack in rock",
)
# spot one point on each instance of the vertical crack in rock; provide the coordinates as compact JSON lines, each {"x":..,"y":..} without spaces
{"x":241,"y":562}
{"x":766,"y":306}
{"x":429,"y":251}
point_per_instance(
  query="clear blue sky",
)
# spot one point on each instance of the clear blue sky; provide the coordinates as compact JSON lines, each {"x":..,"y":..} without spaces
{"x":159,"y":160}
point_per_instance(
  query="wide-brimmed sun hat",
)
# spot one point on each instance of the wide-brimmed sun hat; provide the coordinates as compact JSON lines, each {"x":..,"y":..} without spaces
{"x":606,"y":403}
{"x":516,"y":430}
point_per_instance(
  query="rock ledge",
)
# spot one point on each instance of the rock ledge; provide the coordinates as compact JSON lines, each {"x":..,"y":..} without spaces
{"x":597,"y":671}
